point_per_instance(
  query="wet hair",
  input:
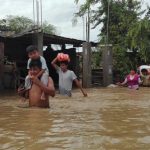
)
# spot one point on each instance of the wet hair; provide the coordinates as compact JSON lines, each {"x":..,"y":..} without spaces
{"x":35,"y":63}
{"x":31,"y":48}
{"x":64,"y":62}
{"x":144,"y":70}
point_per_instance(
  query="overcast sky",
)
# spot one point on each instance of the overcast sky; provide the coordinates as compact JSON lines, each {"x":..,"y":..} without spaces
{"x":57,"y":12}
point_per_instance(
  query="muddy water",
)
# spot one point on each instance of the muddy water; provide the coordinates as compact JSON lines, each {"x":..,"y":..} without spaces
{"x":109,"y":119}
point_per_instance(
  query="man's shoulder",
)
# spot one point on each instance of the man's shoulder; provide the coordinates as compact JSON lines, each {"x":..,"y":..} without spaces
{"x":71,"y":71}
{"x":58,"y":69}
{"x":72,"y":74}
{"x":42,"y":58}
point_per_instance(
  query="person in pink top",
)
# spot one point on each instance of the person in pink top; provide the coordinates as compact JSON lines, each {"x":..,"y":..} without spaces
{"x":132,"y":80}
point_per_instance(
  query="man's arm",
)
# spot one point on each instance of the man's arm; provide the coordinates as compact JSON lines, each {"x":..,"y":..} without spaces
{"x":80,"y":87}
{"x":53,"y":63}
{"x":50,"y":90}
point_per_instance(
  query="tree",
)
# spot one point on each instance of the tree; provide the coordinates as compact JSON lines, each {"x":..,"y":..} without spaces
{"x":48,"y":28}
{"x":17,"y":23}
{"x":139,"y":38}
{"x":124,"y":30}
{"x":20,"y":23}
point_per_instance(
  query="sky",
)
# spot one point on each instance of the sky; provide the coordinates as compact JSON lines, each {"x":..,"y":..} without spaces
{"x":56,"y":12}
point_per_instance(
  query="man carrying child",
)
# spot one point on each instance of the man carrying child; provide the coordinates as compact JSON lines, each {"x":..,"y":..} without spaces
{"x":43,"y":75}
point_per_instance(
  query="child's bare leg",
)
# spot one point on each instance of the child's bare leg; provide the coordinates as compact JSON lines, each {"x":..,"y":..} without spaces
{"x":28,"y":83}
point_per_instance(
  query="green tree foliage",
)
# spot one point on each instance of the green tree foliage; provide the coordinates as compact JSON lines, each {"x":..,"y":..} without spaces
{"x":128,"y":33}
{"x":48,"y":28}
{"x":21,"y":23}
{"x":18,"y":24}
{"x":139,"y":38}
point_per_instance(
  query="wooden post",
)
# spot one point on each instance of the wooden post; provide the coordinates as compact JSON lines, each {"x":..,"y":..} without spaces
{"x":77,"y":68}
{"x":38,"y":41}
{"x":107,"y":60}
{"x":1,"y":63}
{"x":86,"y":65}
{"x":63,"y":47}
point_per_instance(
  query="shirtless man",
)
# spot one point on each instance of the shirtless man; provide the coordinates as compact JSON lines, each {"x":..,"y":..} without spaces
{"x":35,"y":92}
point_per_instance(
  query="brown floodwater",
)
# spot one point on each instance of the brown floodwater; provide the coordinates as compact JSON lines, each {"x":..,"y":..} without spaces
{"x":109,"y":119}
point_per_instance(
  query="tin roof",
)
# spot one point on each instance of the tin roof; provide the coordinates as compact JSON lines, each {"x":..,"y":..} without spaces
{"x":48,"y":39}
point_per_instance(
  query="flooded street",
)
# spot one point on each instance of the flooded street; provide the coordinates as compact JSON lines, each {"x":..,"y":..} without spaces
{"x":109,"y":119}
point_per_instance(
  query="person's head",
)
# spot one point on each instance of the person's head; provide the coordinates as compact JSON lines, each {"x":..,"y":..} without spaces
{"x":32,"y":52}
{"x":64,"y":65}
{"x":144,"y":72}
{"x":132,"y":72}
{"x":35,"y":67}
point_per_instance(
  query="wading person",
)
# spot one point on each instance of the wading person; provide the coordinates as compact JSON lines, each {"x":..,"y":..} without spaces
{"x":132,"y":80}
{"x":66,"y":77}
{"x":34,"y":54}
{"x":37,"y":87}
{"x":145,"y":76}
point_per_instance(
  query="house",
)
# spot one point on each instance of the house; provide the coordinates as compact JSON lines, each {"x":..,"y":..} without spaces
{"x":13,"y":53}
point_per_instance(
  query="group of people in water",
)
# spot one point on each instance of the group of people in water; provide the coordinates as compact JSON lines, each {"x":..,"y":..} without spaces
{"x":39,"y":85}
{"x":133,"y":80}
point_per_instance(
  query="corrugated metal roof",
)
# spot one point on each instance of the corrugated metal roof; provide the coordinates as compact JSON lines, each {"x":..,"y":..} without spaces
{"x":47,"y":38}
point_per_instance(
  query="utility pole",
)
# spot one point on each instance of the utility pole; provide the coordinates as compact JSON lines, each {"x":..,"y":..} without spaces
{"x":88,"y":25}
{"x":107,"y":32}
{"x":38,"y":13}
{"x":34,"y":12}
{"x":83,"y":20}
{"x":41,"y":13}
{"x":107,"y":55}
{"x":37,"y":17}
{"x":87,"y":72}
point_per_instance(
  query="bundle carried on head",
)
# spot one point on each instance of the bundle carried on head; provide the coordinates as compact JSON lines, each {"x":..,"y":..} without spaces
{"x":63,"y":57}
